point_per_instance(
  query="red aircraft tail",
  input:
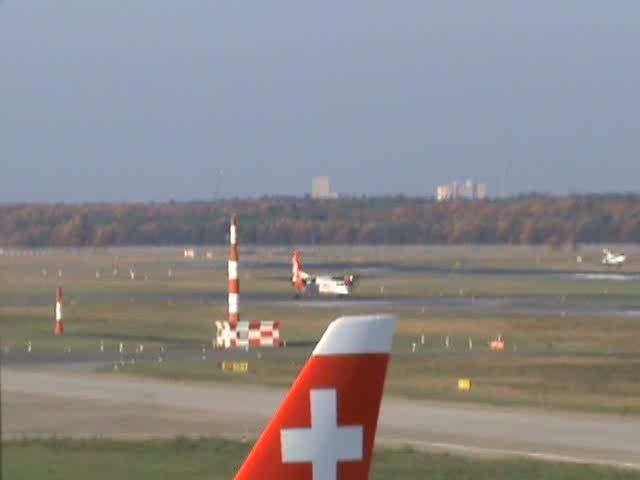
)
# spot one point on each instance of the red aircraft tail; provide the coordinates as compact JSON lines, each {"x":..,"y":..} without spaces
{"x":326,"y":425}
{"x":298,"y":275}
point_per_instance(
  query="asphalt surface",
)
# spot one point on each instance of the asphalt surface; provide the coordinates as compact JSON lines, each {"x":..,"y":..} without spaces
{"x":567,"y":306}
{"x":375,"y":268}
{"x":73,"y":402}
{"x":466,"y":303}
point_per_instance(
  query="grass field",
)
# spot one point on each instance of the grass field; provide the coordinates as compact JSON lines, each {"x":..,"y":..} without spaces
{"x":553,"y":359}
{"x":219,"y":459}
{"x":23,"y":276}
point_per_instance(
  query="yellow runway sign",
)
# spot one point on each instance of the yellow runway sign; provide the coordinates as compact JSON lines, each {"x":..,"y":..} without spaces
{"x":235,"y":367}
{"x":464,"y":384}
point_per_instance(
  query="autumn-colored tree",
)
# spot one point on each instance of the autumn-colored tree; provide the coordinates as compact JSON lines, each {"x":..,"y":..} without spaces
{"x":533,"y":219}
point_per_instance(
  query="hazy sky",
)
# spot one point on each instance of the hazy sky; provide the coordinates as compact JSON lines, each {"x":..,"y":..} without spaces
{"x":151,"y":99}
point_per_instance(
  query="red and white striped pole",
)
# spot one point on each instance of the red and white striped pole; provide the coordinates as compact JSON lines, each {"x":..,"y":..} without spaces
{"x":59,"y":312}
{"x":234,"y":282}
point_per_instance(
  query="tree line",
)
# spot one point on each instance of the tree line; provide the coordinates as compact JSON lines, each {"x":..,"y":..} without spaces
{"x":534,"y":219}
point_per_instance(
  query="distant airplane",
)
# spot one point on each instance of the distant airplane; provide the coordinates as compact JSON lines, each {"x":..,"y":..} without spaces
{"x":613,"y":259}
{"x":326,"y":425}
{"x":330,"y":285}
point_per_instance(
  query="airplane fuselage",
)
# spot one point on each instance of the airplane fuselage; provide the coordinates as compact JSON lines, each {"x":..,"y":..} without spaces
{"x":332,"y":285}
{"x":612,"y":259}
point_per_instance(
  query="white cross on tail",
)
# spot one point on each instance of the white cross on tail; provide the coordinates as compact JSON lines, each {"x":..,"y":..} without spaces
{"x":325,"y":443}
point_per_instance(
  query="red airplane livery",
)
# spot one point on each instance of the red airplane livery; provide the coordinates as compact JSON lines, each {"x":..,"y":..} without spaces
{"x":326,"y":425}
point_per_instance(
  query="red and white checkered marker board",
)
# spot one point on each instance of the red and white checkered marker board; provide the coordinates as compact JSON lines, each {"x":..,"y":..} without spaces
{"x":325,"y":428}
{"x":247,"y":334}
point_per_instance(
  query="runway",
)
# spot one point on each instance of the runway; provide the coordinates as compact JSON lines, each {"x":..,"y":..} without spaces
{"x":450,"y":303}
{"x":377,"y":268}
{"x":465,"y":303}
{"x":73,"y":402}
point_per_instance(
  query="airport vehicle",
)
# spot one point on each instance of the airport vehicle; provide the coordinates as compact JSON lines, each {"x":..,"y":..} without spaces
{"x":613,"y":259}
{"x":326,"y":425}
{"x":340,"y":286}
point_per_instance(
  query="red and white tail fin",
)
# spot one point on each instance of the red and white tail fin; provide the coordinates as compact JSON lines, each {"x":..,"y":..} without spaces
{"x":298,"y":275}
{"x":326,"y":425}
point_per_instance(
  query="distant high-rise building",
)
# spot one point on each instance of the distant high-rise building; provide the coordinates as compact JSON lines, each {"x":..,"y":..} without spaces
{"x":320,"y":188}
{"x":470,"y":189}
{"x":481,"y":191}
{"x":444,"y":192}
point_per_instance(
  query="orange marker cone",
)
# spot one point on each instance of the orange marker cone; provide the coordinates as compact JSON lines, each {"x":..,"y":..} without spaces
{"x":59,"y":313}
